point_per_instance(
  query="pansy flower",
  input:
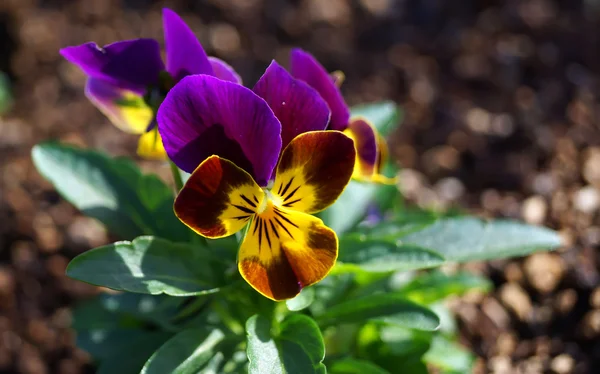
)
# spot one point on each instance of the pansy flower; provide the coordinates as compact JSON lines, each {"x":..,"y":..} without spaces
{"x":128,"y":80}
{"x":259,"y":159}
{"x":371,"y":148}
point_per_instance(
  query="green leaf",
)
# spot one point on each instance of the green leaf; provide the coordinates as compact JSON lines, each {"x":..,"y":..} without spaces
{"x":131,"y":357}
{"x":124,"y":310}
{"x":297,"y":348}
{"x":149,"y":265}
{"x":383,"y":256}
{"x":386,"y":308}
{"x":186,"y":353}
{"x":436,"y":286}
{"x":351,"y":206}
{"x":449,"y":356}
{"x":470,"y":239}
{"x":354,"y":366}
{"x":114,"y":191}
{"x":302,"y":301}
{"x":394,"y":348}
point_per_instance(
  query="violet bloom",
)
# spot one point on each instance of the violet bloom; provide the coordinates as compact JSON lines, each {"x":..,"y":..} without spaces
{"x":259,"y":158}
{"x":371,"y":148}
{"x":128,"y":80}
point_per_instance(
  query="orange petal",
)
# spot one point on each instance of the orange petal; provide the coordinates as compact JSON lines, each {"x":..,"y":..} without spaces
{"x":313,"y":170}
{"x":285,"y":250}
{"x":218,"y":199}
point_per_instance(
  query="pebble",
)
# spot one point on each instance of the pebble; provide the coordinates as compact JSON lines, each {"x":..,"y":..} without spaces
{"x":496,"y":312}
{"x":449,"y":189}
{"x":544,"y":271}
{"x":562,"y":364}
{"x":506,"y":344}
{"x":500,"y":365}
{"x":544,"y":184}
{"x":85,"y":232}
{"x":534,"y":210}
{"x":411,"y":182}
{"x":591,"y":166}
{"x":590,"y":325}
{"x":586,"y":200}
{"x":517,"y":300}
{"x":595,"y":298}
{"x":565,"y":301}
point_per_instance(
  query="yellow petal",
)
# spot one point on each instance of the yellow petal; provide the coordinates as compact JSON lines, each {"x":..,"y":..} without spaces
{"x":218,"y":199}
{"x":125,"y":109}
{"x":150,"y":146}
{"x":313,"y":170}
{"x":286,"y":250}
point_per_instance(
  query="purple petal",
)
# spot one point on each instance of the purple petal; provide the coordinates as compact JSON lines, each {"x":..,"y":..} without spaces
{"x":224,"y":71}
{"x":125,"y":109}
{"x":298,"y":107}
{"x":129,"y":64}
{"x":305,"y":67}
{"x":185,"y":55}
{"x":203,"y":116}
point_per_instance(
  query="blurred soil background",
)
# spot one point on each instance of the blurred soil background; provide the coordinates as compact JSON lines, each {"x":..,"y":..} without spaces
{"x":501,"y":118}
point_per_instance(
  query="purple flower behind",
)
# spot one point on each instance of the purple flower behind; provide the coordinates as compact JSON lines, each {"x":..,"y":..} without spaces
{"x":128,"y":80}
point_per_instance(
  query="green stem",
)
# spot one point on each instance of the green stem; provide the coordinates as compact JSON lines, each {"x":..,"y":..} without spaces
{"x":176,"y":176}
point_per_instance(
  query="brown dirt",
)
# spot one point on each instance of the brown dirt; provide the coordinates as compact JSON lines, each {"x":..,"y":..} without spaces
{"x":501,"y":114}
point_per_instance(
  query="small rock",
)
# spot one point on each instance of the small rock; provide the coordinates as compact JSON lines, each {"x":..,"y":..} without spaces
{"x":591,"y":166}
{"x":534,"y":210}
{"x":544,"y":271}
{"x":591,"y":236}
{"x":85,"y":232}
{"x":586,"y":200}
{"x":562,"y":364}
{"x":595,"y":298}
{"x":544,"y":184}
{"x":565,"y":301}
{"x":57,"y":265}
{"x":47,"y":235}
{"x":506,"y":344}
{"x":500,"y":365}
{"x":517,"y":300}
{"x":513,"y":272}
{"x":411,"y":182}
{"x":590,"y":325}
{"x":449,"y":189}
{"x":496,"y":312}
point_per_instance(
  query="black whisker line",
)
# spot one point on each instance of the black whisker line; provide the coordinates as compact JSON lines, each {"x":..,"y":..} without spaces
{"x":244,"y":209}
{"x":274,"y":229}
{"x":267,"y":233}
{"x":283,"y":227}
{"x":255,"y":225}
{"x":291,"y":194}
{"x":287,"y":186}
{"x":255,"y":198}
{"x":250,"y":202}
{"x":241,"y":218}
{"x":260,"y":231}
{"x":289,"y":203}
{"x":280,"y":214}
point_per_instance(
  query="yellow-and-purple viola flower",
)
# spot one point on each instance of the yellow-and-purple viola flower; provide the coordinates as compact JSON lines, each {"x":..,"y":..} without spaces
{"x":127,"y":80}
{"x":259,"y":159}
{"x":371,"y":147}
